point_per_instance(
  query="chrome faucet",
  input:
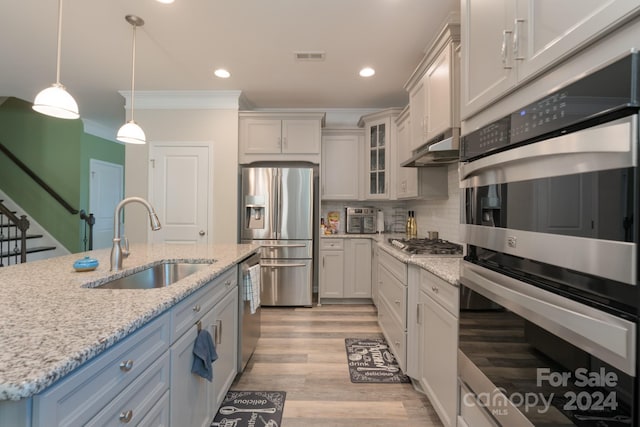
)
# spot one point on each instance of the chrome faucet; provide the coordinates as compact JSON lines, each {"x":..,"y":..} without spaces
{"x":117,"y":252}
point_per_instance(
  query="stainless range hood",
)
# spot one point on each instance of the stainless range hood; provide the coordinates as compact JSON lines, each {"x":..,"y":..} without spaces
{"x":441,"y":150}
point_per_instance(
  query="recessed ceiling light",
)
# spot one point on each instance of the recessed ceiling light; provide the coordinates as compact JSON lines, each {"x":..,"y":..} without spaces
{"x":367,"y":72}
{"x":222,"y":73}
{"x":165,"y":1}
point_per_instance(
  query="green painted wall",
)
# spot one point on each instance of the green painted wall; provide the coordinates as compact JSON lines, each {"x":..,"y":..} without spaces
{"x":58,"y":151}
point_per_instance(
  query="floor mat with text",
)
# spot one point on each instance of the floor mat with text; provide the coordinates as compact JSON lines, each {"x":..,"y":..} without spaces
{"x":250,"y":408}
{"x":371,"y":361}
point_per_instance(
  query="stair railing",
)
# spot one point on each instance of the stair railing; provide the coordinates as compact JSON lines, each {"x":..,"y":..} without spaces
{"x":89,"y":219}
{"x":9,"y":221}
{"x":38,"y":180}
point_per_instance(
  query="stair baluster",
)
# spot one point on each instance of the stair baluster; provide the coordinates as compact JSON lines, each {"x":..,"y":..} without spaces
{"x":8,"y":222}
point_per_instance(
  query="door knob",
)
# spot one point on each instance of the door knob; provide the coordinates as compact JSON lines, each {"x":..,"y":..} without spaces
{"x":202,"y":233}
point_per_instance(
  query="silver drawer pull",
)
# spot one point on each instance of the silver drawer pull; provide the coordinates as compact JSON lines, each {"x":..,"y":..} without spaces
{"x":435,"y":289}
{"x":126,"y":365}
{"x":196,"y":308}
{"x":397,"y":302}
{"x":126,"y":416}
{"x":227,"y":283}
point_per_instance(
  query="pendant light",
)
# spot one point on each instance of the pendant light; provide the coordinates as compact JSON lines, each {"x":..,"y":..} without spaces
{"x":55,"y":101}
{"x":130,"y":132}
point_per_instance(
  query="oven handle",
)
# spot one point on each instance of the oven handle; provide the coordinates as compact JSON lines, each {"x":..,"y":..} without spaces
{"x":604,"y":335}
{"x":578,"y":152}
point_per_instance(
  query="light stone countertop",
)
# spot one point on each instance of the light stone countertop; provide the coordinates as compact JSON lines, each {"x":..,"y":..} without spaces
{"x":443,"y":266}
{"x":51,"y":323}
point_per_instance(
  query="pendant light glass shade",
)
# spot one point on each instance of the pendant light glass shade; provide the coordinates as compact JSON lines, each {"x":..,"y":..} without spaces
{"x":130,"y":132}
{"x":55,"y":101}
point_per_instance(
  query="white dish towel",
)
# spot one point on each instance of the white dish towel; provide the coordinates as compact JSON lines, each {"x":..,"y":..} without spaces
{"x":252,"y":287}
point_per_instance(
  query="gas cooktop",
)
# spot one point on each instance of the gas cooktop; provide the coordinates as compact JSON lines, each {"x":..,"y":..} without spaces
{"x":427,"y":246}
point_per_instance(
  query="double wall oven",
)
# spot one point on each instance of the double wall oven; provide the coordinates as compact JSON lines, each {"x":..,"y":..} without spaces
{"x":549,"y":217}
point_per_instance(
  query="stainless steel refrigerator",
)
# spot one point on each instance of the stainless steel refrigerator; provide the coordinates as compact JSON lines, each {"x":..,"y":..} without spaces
{"x":277,"y":210}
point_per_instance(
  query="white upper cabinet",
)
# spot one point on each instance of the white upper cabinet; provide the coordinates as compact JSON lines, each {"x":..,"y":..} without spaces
{"x":282,"y":136}
{"x":487,"y":63}
{"x":433,"y":89}
{"x":380,"y":153}
{"x":407,"y":178}
{"x":505,"y":43}
{"x":417,"y":107}
{"x":341,"y":164}
{"x":442,"y":93}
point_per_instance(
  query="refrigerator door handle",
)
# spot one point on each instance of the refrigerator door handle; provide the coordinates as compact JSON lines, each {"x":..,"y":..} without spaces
{"x":289,"y":245}
{"x":279,"y":203}
{"x":275,"y":203}
{"x":285,"y":265}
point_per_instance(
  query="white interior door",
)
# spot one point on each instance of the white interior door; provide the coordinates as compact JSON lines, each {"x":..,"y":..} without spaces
{"x":105,"y":192}
{"x":179,"y":190}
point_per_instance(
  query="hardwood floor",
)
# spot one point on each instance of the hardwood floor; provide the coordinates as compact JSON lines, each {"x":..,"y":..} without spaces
{"x":302,"y":351}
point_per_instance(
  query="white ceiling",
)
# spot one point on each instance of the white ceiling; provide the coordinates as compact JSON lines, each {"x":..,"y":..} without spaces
{"x":181,"y":44}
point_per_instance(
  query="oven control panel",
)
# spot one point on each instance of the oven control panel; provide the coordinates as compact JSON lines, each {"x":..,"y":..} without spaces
{"x":610,"y":89}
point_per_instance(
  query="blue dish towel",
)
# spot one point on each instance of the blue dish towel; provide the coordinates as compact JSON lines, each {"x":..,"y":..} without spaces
{"x":204,"y":352}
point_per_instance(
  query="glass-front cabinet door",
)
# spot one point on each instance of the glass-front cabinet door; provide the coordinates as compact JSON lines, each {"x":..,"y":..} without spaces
{"x":380,"y":159}
{"x":377,"y":136}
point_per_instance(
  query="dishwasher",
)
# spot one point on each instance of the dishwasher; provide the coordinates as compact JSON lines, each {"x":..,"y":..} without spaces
{"x":249,"y":319}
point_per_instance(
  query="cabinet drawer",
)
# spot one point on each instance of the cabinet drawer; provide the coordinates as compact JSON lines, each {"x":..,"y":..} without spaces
{"x":158,"y":416}
{"x":332,"y":244}
{"x":471,"y":410}
{"x":80,"y":396}
{"x":393,"y":332}
{"x":185,"y":314}
{"x":138,"y":398}
{"x":394,"y":292}
{"x":443,"y":292}
{"x":394,"y":265}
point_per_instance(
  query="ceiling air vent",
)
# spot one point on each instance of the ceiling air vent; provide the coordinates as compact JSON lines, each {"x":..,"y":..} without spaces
{"x":309,"y":56}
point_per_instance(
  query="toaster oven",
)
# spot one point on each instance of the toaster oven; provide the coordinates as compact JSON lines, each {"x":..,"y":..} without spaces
{"x":361,"y":220}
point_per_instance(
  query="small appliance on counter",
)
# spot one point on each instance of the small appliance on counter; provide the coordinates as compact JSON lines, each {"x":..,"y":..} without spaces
{"x":380,"y":223}
{"x":361,"y":220}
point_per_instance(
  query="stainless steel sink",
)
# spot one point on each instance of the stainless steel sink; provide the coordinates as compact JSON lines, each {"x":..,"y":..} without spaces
{"x":156,"y":276}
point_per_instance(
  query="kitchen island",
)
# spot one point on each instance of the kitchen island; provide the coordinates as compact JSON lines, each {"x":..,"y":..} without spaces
{"x":53,"y":322}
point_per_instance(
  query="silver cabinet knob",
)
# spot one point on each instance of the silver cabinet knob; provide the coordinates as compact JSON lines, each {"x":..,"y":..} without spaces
{"x":126,"y":365}
{"x":202,"y":233}
{"x":126,"y":416}
{"x":435,"y":289}
{"x":196,"y":308}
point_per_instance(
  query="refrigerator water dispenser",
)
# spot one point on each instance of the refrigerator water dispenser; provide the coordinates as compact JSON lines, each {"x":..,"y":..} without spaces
{"x":255,"y":210}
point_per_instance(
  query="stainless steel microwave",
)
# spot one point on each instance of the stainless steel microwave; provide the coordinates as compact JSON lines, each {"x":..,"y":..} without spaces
{"x":360,"y":220}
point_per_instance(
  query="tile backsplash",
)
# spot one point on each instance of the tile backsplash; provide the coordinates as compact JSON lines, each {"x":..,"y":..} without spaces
{"x":442,"y":216}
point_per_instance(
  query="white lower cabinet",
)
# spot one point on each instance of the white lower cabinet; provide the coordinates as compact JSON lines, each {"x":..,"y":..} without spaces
{"x":158,"y":416}
{"x":146,"y":379}
{"x":392,"y":304}
{"x":190,"y":400}
{"x":94,"y":390}
{"x":374,"y":273}
{"x":345,"y":268}
{"x":433,"y":331}
{"x":194,"y":400}
{"x":226,"y":328}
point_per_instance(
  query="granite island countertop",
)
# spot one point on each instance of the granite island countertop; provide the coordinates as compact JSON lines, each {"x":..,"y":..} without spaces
{"x":51,"y":322}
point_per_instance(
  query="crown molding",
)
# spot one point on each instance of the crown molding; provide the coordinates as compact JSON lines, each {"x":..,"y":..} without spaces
{"x":184,"y":99}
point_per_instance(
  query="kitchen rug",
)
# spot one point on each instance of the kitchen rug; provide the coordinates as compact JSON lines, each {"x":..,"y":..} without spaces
{"x":250,"y":408}
{"x":371,"y":361}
